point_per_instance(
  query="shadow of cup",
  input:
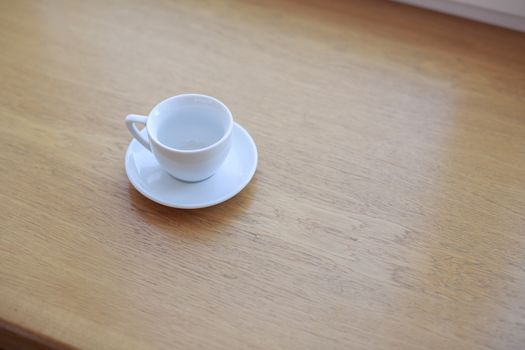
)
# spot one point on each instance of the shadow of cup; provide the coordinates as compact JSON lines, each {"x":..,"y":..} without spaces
{"x":193,"y":222}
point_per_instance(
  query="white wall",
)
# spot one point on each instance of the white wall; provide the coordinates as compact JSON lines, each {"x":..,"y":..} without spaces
{"x":513,"y":7}
{"x":505,"y":13}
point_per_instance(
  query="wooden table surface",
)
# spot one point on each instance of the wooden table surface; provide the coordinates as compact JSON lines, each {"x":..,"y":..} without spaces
{"x":388,"y":207}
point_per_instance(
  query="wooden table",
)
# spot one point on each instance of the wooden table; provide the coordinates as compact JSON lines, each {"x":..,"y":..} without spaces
{"x":387,"y":211}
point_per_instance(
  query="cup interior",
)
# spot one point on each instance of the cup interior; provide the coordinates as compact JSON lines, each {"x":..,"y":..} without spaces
{"x":189,"y":122}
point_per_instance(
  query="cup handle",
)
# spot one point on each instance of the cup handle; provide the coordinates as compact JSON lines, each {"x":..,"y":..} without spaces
{"x":130,"y":123}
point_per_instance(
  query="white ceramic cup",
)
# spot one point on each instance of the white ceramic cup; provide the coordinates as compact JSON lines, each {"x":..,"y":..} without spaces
{"x":189,"y":135}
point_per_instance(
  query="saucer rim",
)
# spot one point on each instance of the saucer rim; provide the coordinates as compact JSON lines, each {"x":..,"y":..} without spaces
{"x":200,"y":205}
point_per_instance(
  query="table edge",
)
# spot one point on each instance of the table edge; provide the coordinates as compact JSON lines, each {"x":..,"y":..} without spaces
{"x":14,"y":336}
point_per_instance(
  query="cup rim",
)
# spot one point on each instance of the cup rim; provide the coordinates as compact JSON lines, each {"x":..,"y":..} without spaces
{"x":197,"y":150}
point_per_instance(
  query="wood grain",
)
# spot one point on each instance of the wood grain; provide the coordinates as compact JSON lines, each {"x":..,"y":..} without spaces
{"x":387,"y":211}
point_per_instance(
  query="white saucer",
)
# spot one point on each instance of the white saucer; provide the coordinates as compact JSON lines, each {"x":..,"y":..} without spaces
{"x":234,"y":174}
